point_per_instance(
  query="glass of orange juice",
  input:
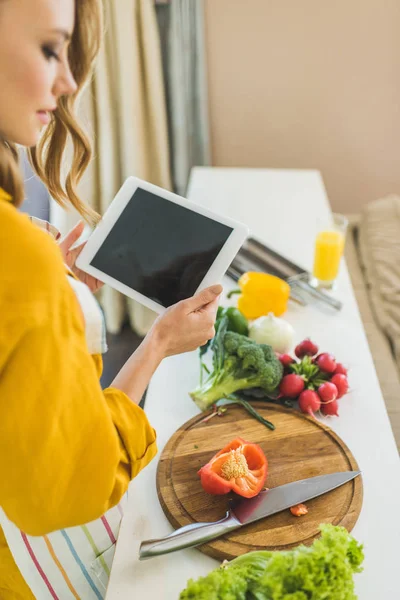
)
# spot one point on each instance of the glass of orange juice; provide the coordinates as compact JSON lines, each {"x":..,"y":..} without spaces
{"x":329,"y":247}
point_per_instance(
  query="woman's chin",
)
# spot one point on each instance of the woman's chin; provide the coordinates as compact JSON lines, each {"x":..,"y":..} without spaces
{"x":25,"y":140}
{"x":29,"y":137}
{"x":33,"y":138}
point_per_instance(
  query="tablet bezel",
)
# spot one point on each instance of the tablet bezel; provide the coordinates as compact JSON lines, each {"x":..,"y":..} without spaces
{"x":214,"y":274}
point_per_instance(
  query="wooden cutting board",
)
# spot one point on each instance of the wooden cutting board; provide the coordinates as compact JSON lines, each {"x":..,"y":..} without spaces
{"x":300,"y":447}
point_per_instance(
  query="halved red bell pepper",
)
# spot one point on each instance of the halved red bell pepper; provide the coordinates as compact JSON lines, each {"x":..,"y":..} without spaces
{"x":240,"y":467}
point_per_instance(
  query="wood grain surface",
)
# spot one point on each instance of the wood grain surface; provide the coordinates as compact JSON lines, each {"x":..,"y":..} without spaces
{"x":300,"y":447}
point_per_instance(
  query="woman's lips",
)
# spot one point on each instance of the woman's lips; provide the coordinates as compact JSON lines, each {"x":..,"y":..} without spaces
{"x":44,"y":117}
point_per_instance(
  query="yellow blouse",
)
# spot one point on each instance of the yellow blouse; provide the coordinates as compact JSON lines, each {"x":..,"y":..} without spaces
{"x":68,"y":449}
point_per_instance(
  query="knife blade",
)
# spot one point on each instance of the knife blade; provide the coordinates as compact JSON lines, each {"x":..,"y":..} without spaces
{"x":245,"y":511}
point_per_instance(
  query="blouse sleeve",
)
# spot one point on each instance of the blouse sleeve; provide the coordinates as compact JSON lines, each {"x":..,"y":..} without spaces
{"x":68,"y":449}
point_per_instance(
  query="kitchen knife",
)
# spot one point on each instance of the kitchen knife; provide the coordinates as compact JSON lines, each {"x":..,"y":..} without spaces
{"x":244,"y":511}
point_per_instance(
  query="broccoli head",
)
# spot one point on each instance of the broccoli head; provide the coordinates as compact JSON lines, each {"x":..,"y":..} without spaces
{"x":241,"y":364}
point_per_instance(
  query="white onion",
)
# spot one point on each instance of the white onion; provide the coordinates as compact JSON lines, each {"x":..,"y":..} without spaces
{"x":273,"y":331}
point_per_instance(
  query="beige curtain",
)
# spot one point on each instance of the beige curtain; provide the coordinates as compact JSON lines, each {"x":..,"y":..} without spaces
{"x":187,"y":88}
{"x":124,"y":108}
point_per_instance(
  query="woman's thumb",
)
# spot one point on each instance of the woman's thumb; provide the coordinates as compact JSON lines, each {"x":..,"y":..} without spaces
{"x":205,"y":297}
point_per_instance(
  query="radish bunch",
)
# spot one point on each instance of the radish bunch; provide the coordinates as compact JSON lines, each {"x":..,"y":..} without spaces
{"x":317,"y":381}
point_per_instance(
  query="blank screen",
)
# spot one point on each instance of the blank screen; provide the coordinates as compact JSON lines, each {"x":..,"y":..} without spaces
{"x":160,"y":249}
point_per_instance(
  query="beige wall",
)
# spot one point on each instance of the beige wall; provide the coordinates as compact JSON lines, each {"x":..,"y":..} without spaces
{"x":308,"y":84}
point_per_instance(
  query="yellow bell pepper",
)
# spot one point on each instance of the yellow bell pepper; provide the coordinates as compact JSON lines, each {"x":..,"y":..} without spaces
{"x":261,"y":294}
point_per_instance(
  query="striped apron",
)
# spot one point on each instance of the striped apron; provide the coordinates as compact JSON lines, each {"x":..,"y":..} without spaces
{"x":73,"y":563}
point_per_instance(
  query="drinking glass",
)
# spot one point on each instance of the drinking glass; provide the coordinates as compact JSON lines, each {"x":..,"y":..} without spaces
{"x":329,"y":247}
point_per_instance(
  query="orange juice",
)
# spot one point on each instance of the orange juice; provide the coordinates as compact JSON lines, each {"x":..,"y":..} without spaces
{"x":329,"y":248}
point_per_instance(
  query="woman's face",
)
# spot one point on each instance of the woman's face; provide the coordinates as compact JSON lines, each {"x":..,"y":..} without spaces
{"x":34,"y":70}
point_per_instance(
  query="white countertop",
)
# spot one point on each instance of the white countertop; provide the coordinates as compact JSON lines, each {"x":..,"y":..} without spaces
{"x":282,"y":208}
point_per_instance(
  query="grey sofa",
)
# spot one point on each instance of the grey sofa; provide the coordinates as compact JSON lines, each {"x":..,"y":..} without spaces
{"x":372,"y":253}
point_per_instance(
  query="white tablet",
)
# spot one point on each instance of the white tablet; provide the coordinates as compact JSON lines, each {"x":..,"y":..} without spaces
{"x":159,"y":248}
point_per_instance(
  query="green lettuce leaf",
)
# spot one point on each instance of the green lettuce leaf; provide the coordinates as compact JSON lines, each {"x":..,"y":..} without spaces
{"x":323,"y":571}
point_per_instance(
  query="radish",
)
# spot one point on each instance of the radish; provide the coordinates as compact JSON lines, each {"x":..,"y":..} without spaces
{"x":286,"y":360}
{"x":291,"y":385}
{"x":328,"y":392}
{"x":341,"y":383}
{"x":309,"y":402}
{"x":330,"y":409}
{"x":306,"y":348}
{"x":340,"y":369}
{"x":326,"y":362}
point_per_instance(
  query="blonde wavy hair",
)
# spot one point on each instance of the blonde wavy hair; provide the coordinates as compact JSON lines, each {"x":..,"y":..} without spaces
{"x":47,"y":157}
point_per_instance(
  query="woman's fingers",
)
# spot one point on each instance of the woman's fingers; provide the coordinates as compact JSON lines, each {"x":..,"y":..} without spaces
{"x":71,"y":237}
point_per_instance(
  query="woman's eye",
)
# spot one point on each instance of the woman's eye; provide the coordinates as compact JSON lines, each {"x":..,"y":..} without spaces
{"x":50,"y":53}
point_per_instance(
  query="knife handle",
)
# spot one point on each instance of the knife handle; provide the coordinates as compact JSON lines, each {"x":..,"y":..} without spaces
{"x":187,"y":537}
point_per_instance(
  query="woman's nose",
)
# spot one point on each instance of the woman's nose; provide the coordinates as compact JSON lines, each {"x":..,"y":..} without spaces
{"x":65,"y":84}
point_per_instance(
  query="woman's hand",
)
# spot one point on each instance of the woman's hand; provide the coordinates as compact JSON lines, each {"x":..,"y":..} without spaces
{"x":188,"y":324}
{"x":181,"y":328}
{"x":70,"y":256}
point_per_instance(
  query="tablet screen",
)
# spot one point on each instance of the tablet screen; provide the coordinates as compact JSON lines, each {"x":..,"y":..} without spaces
{"x":160,"y":249}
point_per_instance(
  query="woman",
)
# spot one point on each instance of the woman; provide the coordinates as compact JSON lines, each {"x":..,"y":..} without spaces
{"x":68,"y":449}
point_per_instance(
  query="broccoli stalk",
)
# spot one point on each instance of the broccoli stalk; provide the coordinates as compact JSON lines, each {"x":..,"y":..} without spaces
{"x":238,"y":364}
{"x":210,"y":391}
